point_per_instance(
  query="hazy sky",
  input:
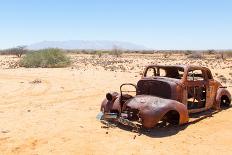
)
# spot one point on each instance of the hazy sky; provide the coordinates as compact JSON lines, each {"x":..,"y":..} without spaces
{"x":158,"y":24}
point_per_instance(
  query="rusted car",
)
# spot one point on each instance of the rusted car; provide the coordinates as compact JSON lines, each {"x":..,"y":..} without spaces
{"x":166,"y":94}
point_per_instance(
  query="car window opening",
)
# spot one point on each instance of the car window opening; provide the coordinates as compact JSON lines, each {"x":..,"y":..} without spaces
{"x":170,"y":72}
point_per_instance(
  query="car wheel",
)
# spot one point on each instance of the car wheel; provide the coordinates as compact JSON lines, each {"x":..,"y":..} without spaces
{"x":225,"y":102}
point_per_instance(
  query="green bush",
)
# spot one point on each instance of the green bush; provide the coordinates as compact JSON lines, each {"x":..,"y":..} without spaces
{"x":46,"y":58}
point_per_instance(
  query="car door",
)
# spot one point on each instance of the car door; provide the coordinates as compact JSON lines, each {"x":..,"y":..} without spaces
{"x":196,"y":90}
{"x":211,"y":89}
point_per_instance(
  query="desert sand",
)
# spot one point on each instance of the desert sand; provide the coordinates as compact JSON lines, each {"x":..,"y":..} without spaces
{"x":53,"y":111}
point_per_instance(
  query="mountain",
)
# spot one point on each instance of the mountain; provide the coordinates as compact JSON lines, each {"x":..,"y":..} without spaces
{"x":90,"y":45}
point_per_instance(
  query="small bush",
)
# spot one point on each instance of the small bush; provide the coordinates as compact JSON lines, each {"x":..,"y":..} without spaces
{"x":98,"y":53}
{"x":47,"y":58}
{"x":188,"y":52}
{"x":116,"y":53}
{"x":220,"y":55}
{"x":166,"y":55}
{"x":211,"y":52}
{"x":195,"y":55}
{"x":223,"y":55}
{"x":227,"y":54}
{"x":145,"y":52}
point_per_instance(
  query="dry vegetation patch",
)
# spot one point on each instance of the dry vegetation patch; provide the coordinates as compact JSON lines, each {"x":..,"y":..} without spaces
{"x":47,"y":58}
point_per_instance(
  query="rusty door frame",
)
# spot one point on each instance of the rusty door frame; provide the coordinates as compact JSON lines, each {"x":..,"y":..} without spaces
{"x":204,"y":82}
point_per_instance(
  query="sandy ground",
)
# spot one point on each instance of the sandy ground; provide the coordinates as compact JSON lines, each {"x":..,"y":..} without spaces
{"x":53,"y":111}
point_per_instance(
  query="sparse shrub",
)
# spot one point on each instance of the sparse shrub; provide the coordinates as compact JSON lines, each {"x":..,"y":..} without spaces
{"x":73,"y":51}
{"x":145,"y":52}
{"x":227,"y":54}
{"x":230,"y":74}
{"x":18,"y":51}
{"x":222,"y":78}
{"x":196,"y":55}
{"x":188,"y":52}
{"x":211,"y":52}
{"x":99,"y":53}
{"x":218,"y":56}
{"x":167,"y":55}
{"x":47,"y":58}
{"x":223,"y":55}
{"x":116,"y":52}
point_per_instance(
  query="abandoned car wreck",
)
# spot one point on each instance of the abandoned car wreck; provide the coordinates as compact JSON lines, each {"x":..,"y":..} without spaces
{"x":165,"y":94}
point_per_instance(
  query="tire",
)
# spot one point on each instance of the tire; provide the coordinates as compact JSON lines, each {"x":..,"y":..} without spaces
{"x":225,"y":102}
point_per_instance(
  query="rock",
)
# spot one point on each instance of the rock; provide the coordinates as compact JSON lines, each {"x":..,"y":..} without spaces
{"x":36,"y":81}
{"x":5,"y":131}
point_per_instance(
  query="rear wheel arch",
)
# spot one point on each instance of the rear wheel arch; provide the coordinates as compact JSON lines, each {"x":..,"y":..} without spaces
{"x":223,"y":98}
{"x":172,"y":117}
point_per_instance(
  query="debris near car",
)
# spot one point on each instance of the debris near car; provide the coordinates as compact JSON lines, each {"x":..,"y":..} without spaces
{"x":165,"y":95}
{"x":36,"y":81}
{"x":111,"y":120}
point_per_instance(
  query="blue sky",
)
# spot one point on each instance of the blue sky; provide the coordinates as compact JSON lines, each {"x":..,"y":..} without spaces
{"x":157,"y":24}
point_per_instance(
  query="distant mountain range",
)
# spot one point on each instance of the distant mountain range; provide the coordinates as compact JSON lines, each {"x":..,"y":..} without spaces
{"x":88,"y":45}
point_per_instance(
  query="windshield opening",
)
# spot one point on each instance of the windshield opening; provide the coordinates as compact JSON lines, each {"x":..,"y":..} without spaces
{"x":171,"y":72}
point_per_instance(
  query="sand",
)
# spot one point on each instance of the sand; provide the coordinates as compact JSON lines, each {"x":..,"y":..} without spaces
{"x":53,"y":111}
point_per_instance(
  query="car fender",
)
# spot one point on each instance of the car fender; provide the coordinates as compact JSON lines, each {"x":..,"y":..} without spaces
{"x":152,"y":109}
{"x":109,"y":106}
{"x":221,"y":92}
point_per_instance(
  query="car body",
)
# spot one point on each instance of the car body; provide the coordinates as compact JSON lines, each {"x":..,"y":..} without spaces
{"x":167,"y":94}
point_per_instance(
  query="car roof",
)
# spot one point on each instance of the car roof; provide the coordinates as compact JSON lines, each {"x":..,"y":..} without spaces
{"x":179,"y":66}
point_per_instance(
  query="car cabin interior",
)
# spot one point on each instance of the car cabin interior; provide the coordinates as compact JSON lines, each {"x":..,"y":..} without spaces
{"x":197,"y":91}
